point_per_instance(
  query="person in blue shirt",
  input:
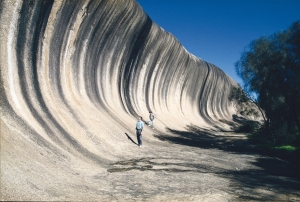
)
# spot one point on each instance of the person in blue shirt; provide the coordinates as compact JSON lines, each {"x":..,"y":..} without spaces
{"x":139,"y":129}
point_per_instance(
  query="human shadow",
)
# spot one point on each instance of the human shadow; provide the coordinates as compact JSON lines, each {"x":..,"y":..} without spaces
{"x":130,"y":139}
{"x":268,"y":171}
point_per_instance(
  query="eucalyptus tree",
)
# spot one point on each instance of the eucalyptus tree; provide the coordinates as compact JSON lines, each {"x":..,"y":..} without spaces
{"x":270,"y":69}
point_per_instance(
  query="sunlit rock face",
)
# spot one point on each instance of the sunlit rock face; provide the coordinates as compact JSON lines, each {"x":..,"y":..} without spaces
{"x":76,"y":74}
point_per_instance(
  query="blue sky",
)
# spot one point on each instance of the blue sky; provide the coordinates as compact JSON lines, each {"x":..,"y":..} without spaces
{"x":217,"y":31}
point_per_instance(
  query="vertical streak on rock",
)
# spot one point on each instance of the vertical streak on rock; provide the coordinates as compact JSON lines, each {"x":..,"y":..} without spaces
{"x":75,"y":73}
{"x":27,"y":55}
{"x":204,"y":94}
{"x":130,"y":71}
{"x":12,"y":32}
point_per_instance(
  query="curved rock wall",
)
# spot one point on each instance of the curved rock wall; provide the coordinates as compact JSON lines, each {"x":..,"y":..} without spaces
{"x":70,"y":68}
{"x":76,"y":74}
{"x":74,"y":77}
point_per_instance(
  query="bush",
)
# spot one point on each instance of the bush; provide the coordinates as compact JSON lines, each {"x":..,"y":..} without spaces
{"x":288,"y":148}
{"x":247,"y":127}
{"x":284,"y":134}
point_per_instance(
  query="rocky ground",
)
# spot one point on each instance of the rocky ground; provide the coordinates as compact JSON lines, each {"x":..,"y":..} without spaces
{"x":197,"y":165}
{"x":191,"y":165}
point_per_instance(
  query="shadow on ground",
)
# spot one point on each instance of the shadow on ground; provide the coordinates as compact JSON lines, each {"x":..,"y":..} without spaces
{"x":261,"y":178}
{"x":273,"y":173}
{"x":197,"y":137}
{"x":129,"y":138}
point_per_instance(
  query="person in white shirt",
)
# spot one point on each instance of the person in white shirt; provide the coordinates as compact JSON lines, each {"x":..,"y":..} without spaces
{"x":151,"y":119}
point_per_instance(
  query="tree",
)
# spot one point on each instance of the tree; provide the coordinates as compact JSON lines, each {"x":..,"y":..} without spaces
{"x":247,"y":104}
{"x":270,"y":69}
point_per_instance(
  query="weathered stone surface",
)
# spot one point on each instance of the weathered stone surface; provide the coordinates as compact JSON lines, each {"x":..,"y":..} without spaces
{"x":74,"y":77}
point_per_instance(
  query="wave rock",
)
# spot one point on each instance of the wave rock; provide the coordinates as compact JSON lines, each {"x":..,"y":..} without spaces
{"x":76,"y":74}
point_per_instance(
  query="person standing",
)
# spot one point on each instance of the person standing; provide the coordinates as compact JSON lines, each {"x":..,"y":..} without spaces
{"x":151,"y":119}
{"x":139,"y":129}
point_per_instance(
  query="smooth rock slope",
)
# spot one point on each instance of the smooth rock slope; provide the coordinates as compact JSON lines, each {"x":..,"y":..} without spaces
{"x":75,"y":75}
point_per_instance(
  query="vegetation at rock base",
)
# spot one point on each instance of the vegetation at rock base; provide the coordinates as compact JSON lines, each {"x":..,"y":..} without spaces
{"x":270,"y":70}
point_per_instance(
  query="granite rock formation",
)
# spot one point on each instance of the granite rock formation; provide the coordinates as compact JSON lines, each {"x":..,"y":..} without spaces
{"x":75,"y":75}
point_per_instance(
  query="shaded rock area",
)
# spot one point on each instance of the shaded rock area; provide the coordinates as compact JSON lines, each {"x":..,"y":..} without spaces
{"x":75,"y":75}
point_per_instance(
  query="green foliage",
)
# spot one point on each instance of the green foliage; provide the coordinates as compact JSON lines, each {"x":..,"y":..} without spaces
{"x":270,"y":69}
{"x":285,"y":134}
{"x":287,"y":152}
{"x":286,"y":148}
{"x":248,"y":127}
{"x":245,"y":104}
